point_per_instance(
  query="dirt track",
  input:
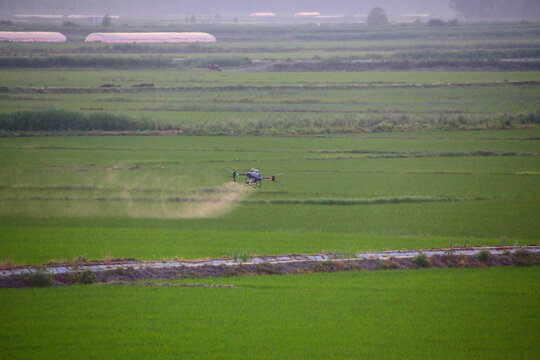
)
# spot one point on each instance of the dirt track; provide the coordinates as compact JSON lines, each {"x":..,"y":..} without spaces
{"x":129,"y":270}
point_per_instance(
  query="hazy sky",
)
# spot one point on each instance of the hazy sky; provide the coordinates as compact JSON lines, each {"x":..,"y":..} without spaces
{"x":223,"y":7}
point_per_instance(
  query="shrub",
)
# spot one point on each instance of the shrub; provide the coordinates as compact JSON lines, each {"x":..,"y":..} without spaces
{"x":483,"y":256}
{"x":523,"y":257}
{"x":421,"y":260}
{"x":38,"y":278}
{"x":86,"y":277}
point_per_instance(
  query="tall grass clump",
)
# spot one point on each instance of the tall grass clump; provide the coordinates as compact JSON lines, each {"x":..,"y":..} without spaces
{"x":483,"y":256}
{"x":86,"y":277}
{"x":524,"y":257}
{"x":63,"y":120}
{"x":38,"y":278}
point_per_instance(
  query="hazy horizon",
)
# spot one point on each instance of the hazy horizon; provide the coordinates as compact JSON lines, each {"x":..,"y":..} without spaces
{"x":466,"y":9}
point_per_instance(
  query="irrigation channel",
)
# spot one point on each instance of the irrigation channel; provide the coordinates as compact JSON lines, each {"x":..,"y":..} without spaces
{"x":55,"y":269}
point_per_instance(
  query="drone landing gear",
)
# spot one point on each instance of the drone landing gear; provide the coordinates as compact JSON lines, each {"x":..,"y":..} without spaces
{"x":252,"y":184}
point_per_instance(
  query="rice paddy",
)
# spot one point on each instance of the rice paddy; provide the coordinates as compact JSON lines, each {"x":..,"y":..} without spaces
{"x":367,"y":161}
{"x":443,"y":313}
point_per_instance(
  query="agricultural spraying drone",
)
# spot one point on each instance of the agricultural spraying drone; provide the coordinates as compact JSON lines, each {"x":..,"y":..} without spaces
{"x":254,"y":177}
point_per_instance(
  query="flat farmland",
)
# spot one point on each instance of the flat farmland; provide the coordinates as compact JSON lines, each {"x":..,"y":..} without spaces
{"x":167,"y":196}
{"x":207,"y":103}
{"x":398,"y":137}
{"x":434,"y":313}
{"x":81,"y":78}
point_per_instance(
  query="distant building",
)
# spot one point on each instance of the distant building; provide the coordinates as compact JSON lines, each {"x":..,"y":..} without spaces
{"x":163,"y":37}
{"x":32,"y":36}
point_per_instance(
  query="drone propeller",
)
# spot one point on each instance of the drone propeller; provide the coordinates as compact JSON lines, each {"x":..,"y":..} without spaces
{"x":273,"y":178}
{"x":234,"y":175}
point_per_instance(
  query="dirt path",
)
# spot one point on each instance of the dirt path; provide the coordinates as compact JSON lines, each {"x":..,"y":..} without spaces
{"x":258,"y":260}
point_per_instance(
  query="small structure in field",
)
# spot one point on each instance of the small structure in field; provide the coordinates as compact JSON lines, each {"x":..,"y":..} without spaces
{"x":157,"y":37}
{"x":93,"y":18}
{"x":32,"y":36}
{"x":262,"y":14}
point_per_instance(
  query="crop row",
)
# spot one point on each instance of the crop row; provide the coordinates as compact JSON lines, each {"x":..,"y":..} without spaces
{"x":47,"y":78}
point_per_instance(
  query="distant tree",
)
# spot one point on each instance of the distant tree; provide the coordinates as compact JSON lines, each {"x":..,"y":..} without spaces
{"x":435,"y":22}
{"x":377,"y":17}
{"x":106,"y":21}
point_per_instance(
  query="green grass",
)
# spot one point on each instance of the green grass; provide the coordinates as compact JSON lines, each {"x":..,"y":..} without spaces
{"x":435,"y":313}
{"x":209,"y":103}
{"x":97,"y":239}
{"x":164,"y":78}
{"x":66,"y":197}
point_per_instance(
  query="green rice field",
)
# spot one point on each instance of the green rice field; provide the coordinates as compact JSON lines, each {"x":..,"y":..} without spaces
{"x":208,"y":103}
{"x":434,"y":313}
{"x":167,"y":196}
{"x":119,"y":161}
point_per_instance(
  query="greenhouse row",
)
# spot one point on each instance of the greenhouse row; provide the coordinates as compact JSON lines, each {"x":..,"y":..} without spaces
{"x":161,"y":37}
{"x":158,"y":37}
{"x":32,"y":36}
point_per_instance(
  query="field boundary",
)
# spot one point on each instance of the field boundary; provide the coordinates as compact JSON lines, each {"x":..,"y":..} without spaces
{"x":368,"y":85}
{"x":129,"y":270}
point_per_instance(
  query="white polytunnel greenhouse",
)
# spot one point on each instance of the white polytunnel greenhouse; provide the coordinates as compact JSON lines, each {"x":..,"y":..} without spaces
{"x":262,"y":14}
{"x":163,"y":37}
{"x":32,"y":36}
{"x":301,"y":14}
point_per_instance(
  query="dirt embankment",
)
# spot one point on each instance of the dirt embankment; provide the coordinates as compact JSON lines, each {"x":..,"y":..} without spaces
{"x":131,"y":275}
